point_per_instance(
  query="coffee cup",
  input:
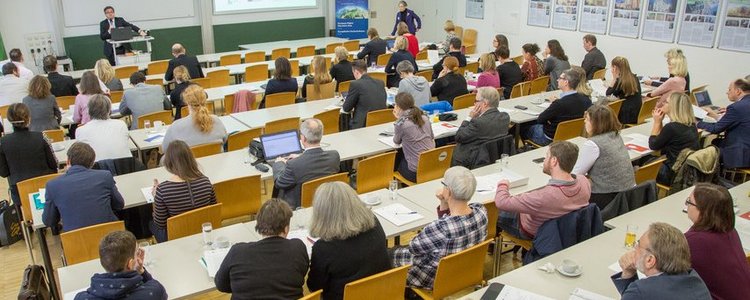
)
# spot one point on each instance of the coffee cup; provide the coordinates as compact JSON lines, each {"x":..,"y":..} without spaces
{"x":221,"y":242}
{"x":569,"y":266}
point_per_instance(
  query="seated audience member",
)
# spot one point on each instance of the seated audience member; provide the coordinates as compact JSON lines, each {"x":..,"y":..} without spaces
{"x":108,"y":137}
{"x":603,"y":157}
{"x":400,"y":54}
{"x":182,"y":81}
{"x":142,"y":99}
{"x":459,"y":226}
{"x":454,"y":51}
{"x":106,"y":74}
{"x":555,"y":63}
{"x":663,"y":255}
{"x":485,"y":123}
{"x":450,"y":33}
{"x":522,"y":215}
{"x":81,"y":197}
{"x":282,"y":80}
{"x":271,"y":268}
{"x":342,"y":68}
{"x":449,"y":84}
{"x":489,"y":76}
{"x":594,"y":59}
{"x":365,"y":95}
{"x":675,"y":83}
{"x":351,"y":243}
{"x":182,"y":59}
{"x":532,"y":66}
{"x":571,"y":105}
{"x":24,"y":154}
{"x":624,"y":85}
{"x":185,"y":190}
{"x":508,"y":70}
{"x":735,"y":124}
{"x":16,"y":57}
{"x":413,"y":132}
{"x":292,"y":171}
{"x":45,"y":114}
{"x":125,"y":277}
{"x":89,"y":87}
{"x":62,"y":85}
{"x":317,"y":75}
{"x":583,"y":86}
{"x":12,"y":87}
{"x":498,"y":41}
{"x":412,"y":44}
{"x":416,"y":86}
{"x":376,"y":46}
{"x":200,"y":126}
{"x":656,"y":81}
{"x":715,"y":248}
{"x":679,"y":134}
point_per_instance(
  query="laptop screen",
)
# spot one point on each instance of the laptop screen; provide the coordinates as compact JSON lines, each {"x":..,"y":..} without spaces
{"x":280,"y":144}
{"x":702,"y":98}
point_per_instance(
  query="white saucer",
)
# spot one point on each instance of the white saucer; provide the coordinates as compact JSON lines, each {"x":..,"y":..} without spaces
{"x":371,"y":203}
{"x":575,"y":274}
{"x":58,"y":148}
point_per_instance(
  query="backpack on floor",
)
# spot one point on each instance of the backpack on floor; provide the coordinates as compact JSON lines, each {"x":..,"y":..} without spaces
{"x":10,"y":224}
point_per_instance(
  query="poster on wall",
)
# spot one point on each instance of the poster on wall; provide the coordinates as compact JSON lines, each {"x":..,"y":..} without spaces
{"x":475,"y":9}
{"x":698,"y":26}
{"x":539,"y":13}
{"x":661,"y":21}
{"x":594,"y":16}
{"x":566,"y":14}
{"x":352,"y":19}
{"x":626,"y":18}
{"x":735,"y":32}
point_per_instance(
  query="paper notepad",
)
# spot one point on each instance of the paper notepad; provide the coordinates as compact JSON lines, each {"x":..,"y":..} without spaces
{"x":581,"y":294}
{"x":388,"y":140}
{"x":514,"y":293}
{"x":531,"y":112}
{"x":616,"y":267}
{"x":506,"y":110}
{"x":304,"y":236}
{"x":398,"y":214}
{"x":598,"y":86}
{"x":742,"y":226}
{"x":147,"y":194}
{"x":443,"y":128}
{"x":212,"y":259}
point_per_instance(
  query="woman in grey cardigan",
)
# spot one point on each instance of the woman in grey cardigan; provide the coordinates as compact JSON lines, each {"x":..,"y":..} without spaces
{"x":45,"y":114}
{"x":199,"y":127}
{"x":555,"y":62}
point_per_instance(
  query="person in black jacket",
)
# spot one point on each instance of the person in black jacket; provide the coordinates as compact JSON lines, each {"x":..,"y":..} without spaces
{"x":342,"y":68}
{"x":376,"y":46}
{"x":62,"y":85}
{"x":182,"y":80}
{"x":680,"y":133}
{"x":454,"y":48}
{"x":24,"y":154}
{"x":105,"y":33}
{"x":400,"y":55}
{"x":449,"y":85}
{"x":365,"y":95}
{"x":485,"y":123}
{"x":509,"y":72}
{"x":182,"y":59}
{"x":282,"y":80}
{"x":625,"y":86}
{"x":594,"y":59}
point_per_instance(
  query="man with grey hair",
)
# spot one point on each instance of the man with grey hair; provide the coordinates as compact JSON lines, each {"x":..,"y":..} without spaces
{"x":459,"y":226}
{"x":485,"y":123}
{"x":416,"y":86}
{"x":182,"y":59}
{"x":292,"y":171}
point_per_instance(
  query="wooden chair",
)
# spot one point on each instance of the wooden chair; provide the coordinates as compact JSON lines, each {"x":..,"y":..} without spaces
{"x":238,"y":197}
{"x":326,"y":91}
{"x":538,"y":85}
{"x":695,"y":90}
{"x":306,"y":51}
{"x":565,"y":130}
{"x":456,"y":272}
{"x":281,"y":52}
{"x":255,"y":56}
{"x":470,"y":49}
{"x":281,"y":125}
{"x":520,"y":89}
{"x":518,"y":60}
{"x":464,"y":101}
{"x":431,"y":165}
{"x":331,"y":48}
{"x":506,"y":238}
{"x":256,"y":73}
{"x":383,"y":59}
{"x":230,"y":59}
{"x":330,"y":120}
{"x":294,"y":65}
{"x":55,"y":135}
{"x":156,"y":81}
{"x":649,"y":171}
{"x":472,"y":67}
{"x":157,"y":67}
{"x":206,"y":149}
{"x":189,"y":223}
{"x":280,"y":99}
{"x":599,"y":74}
{"x":344,"y":86}
{"x":375,"y":172}
{"x":426,"y":74}
{"x":615,"y":106}
{"x":329,"y":62}
{"x":460,"y":71}
{"x":184,"y":111}
{"x":459,"y":30}
{"x":492,"y":213}
{"x":309,"y":187}
{"x":218,"y":78}
{"x":384,"y":285}
{"x":313,"y":296}
{"x":4,"y":111}
{"x":83,"y":244}
{"x":380,"y":116}
{"x":202,"y":82}
{"x":228,"y":104}
{"x":469,"y":37}
{"x":378,"y":76}
{"x":647,"y":107}
{"x":165,"y":116}
{"x":352,"y":45}
{"x":240,"y":140}
{"x":125,"y":71}
{"x":421,"y":55}
{"x":30,"y":186}
{"x":115,"y":96}
{"x":64,"y":102}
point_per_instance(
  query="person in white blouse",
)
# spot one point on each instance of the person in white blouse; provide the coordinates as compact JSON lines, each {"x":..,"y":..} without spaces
{"x":108,"y":137}
{"x":16,"y":57}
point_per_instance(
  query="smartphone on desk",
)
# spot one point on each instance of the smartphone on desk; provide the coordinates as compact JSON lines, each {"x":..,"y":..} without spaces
{"x":492,"y":291}
{"x":538,"y":160}
{"x":521,"y":107}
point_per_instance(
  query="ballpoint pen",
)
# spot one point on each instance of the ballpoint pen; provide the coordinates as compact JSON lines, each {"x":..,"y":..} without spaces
{"x":407,"y":213}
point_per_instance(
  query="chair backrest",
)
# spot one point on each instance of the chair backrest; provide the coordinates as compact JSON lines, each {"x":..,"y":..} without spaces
{"x":501,"y":92}
{"x":421,"y":55}
{"x":56,"y":135}
{"x":565,"y":231}
{"x":256,"y":73}
{"x":306,"y":51}
{"x":472,"y":67}
{"x":378,"y":76}
{"x":380,"y":116}
{"x":648,"y":171}
{"x":375,"y":172}
{"x":308,"y":188}
{"x":279,"y":99}
{"x":330,"y":120}
{"x":202,"y":82}
{"x":383,"y":59}
{"x":469,"y":37}
{"x":520,"y":89}
{"x":693,"y":100}
{"x":281,"y":125}
{"x":255,"y":56}
{"x":568,"y":129}
{"x":518,"y":60}
{"x":326,"y":91}
{"x":63,"y":102}
{"x":464,"y":101}
{"x":156,"y":81}
{"x":647,"y":107}
{"x":281,"y":52}
{"x":344,"y":86}
{"x":313,"y":296}
{"x":83,"y":244}
{"x":490,"y":151}
{"x":492,"y":213}
{"x":29,"y":186}
{"x":230,"y":59}
{"x":240,"y":140}
{"x":615,"y":106}
{"x":164,"y":115}
{"x":433,"y":163}
{"x":184,"y":111}
{"x":599,"y":74}
{"x":229,"y":104}
{"x":157,"y":67}
{"x":352,"y":45}
{"x":189,"y":223}
{"x":294,"y":65}
{"x":426,"y":74}
{"x":239,"y":197}
{"x":329,"y":62}
{"x":644,"y":193}
{"x":460,"y":270}
{"x":470,"y":49}
{"x":539,"y":85}
{"x":384,"y":285}
{"x":331,"y":48}
{"x":459,"y":30}
{"x":125,"y":71}
{"x":206,"y":149}
{"x":218,"y":78}
{"x":115,"y":96}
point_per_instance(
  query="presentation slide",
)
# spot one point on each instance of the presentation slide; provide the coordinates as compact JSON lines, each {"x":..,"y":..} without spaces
{"x":229,"y":6}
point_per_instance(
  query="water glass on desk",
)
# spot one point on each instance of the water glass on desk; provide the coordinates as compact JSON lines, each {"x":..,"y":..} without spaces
{"x":145,"y":246}
{"x":393,"y":188}
{"x":207,"y":239}
{"x":147,"y":126}
{"x":630,"y":236}
{"x":504,"y":160}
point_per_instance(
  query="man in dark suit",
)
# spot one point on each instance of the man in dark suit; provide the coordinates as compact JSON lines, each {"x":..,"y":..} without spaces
{"x":663,"y":255}
{"x":485,"y":123}
{"x":105,"y":33}
{"x":594,"y":59}
{"x":291,"y":172}
{"x":454,"y":49}
{"x":182,"y":59}
{"x":62,"y":85}
{"x":376,"y":46}
{"x":81,"y":197}
{"x":365,"y":95}
{"x":734,"y":123}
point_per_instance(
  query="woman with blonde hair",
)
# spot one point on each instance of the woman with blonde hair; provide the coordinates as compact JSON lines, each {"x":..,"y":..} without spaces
{"x":200,"y":126}
{"x":182,"y":81}
{"x":583,"y":86}
{"x":675,"y":83}
{"x":413,"y":45}
{"x":625,"y":85}
{"x":449,"y":85}
{"x":351,"y":245}
{"x":106,"y":74}
{"x":656,"y":81}
{"x":450,"y":32}
{"x":400,"y":54}
{"x":679,"y":134}
{"x":45,"y":114}
{"x":317,"y":76}
{"x":342,"y":68}
{"x":489,"y":76}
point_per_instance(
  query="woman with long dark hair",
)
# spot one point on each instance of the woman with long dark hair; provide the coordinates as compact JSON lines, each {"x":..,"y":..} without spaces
{"x":413,"y":131}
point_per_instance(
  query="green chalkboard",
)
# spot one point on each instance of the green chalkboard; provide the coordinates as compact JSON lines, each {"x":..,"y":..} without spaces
{"x":227,"y":37}
{"x":2,"y":49}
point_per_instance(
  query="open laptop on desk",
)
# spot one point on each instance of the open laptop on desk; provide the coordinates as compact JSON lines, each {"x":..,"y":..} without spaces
{"x":280,"y":144}
{"x":703,"y":99}
{"x":122,"y":33}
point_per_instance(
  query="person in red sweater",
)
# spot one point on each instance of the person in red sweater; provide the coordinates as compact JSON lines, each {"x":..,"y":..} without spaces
{"x":413,"y":43}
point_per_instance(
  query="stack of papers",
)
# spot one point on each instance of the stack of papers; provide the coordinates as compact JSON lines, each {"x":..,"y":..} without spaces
{"x":742,"y":225}
{"x":147,"y":194}
{"x":443,"y":128}
{"x":398,"y":214}
{"x":581,"y":294}
{"x":488,"y":183}
{"x":211,"y":260}
{"x":304,"y":236}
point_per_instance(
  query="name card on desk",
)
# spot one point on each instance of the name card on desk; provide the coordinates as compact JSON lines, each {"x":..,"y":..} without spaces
{"x":398,"y":214}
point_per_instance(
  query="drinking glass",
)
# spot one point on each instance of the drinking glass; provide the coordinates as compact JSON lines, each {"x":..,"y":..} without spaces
{"x":504,"y":160}
{"x":145,"y":246}
{"x":393,"y":187}
{"x":147,"y":125}
{"x":435,"y":116}
{"x":630,"y":236}
{"x":207,"y":228}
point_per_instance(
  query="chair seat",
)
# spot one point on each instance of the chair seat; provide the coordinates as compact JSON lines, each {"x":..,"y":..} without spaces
{"x":403,"y":179}
{"x":526,"y":244}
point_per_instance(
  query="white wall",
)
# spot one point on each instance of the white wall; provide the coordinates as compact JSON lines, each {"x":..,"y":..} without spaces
{"x":20,"y":18}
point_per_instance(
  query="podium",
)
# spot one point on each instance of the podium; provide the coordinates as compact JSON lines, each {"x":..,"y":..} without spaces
{"x":122,"y":60}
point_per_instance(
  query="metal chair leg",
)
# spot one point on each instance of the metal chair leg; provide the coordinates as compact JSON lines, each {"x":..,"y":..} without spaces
{"x":27,"y":239}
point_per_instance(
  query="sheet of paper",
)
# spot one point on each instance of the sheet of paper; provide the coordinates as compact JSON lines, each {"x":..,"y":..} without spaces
{"x":72,"y":294}
{"x":742,"y":226}
{"x":433,"y":57}
{"x":304,"y":236}
{"x":699,"y":112}
{"x":544,"y":105}
{"x":147,"y":194}
{"x":398,"y":214}
{"x":155,"y":137}
{"x":581,"y":294}
{"x":531,"y":112}
{"x":514,"y":293}
{"x":442,"y":128}
{"x":598,"y":86}
{"x":636,"y":142}
{"x":211,"y":260}
{"x":388,"y":140}
{"x":616,"y":267}
{"x":506,"y":110}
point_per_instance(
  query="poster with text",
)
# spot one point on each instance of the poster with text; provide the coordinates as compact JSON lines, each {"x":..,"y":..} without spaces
{"x":475,"y":9}
{"x":539,"y":13}
{"x":352,"y":18}
{"x":735,"y":31}
{"x":594,"y":16}
{"x":626,"y":18}
{"x":566,"y":14}
{"x":698,"y":26}
{"x":660,"y":23}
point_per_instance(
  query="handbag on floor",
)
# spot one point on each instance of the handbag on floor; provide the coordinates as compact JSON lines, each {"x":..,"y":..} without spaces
{"x":10,"y":224}
{"x":34,"y":285}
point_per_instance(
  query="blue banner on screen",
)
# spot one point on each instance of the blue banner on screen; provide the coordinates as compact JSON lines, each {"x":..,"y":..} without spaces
{"x":352,"y":19}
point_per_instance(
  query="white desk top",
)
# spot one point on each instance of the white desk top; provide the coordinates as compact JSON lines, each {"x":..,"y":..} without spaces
{"x":304,"y":110}
{"x":319,"y":43}
{"x":62,"y":153}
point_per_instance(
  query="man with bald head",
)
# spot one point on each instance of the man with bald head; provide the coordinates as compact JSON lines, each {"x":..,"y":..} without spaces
{"x":182,"y":59}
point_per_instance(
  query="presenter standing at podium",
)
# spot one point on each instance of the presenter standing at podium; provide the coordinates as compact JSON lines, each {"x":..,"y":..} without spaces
{"x":105,"y":30}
